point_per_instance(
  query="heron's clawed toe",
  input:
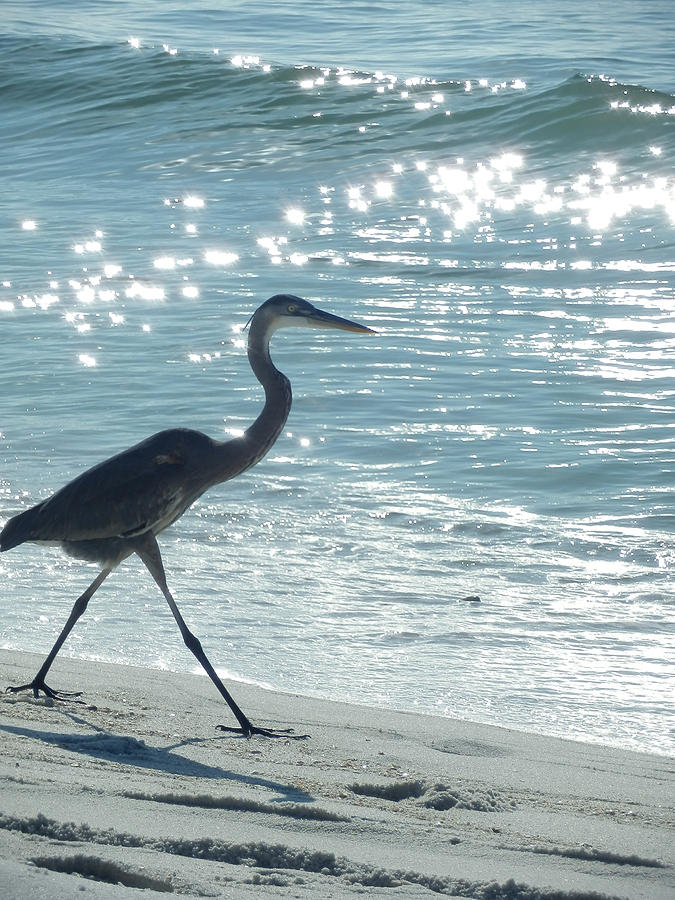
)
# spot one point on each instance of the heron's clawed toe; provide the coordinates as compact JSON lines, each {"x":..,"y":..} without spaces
{"x":38,"y":685}
{"x":265,"y":732}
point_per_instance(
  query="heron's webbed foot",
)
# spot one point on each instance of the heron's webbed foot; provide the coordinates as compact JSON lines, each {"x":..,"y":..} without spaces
{"x":37,"y":685}
{"x":250,"y":730}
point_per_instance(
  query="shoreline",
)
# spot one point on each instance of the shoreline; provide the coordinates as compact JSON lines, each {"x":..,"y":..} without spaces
{"x":135,"y":788}
{"x":234,"y":681}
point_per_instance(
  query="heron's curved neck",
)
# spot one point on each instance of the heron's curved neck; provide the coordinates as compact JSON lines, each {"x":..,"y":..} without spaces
{"x":232,"y":457}
{"x":260,"y":436}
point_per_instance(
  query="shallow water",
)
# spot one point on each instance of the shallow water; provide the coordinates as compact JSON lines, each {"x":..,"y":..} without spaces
{"x":501,"y":210}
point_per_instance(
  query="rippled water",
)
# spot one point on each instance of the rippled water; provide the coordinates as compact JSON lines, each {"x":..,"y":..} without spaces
{"x":500,"y":211}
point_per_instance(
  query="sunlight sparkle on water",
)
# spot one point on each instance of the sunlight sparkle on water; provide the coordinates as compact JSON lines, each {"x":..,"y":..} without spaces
{"x":193,"y":202}
{"x":85,"y":293}
{"x":220,"y":257}
{"x":44,"y":301}
{"x":137,"y":290}
{"x":356,"y":201}
{"x":241,"y":61}
{"x":295,"y":216}
{"x":88,"y":247}
{"x":469,"y":196}
{"x":272,"y":246}
{"x":383,"y":189}
{"x":505,"y":164}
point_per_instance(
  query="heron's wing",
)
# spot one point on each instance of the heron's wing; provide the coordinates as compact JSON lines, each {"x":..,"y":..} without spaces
{"x":128,"y":494}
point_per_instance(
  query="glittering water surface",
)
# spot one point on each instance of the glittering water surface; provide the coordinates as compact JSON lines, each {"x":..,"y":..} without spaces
{"x":501,"y":212}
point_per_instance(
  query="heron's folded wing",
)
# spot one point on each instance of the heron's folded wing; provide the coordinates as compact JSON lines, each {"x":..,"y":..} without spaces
{"x":124,"y":495}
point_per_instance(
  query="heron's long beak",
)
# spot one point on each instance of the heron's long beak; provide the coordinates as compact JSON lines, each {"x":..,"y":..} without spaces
{"x":320,"y":319}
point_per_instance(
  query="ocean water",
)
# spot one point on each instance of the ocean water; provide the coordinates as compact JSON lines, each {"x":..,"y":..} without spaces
{"x":491,"y":188}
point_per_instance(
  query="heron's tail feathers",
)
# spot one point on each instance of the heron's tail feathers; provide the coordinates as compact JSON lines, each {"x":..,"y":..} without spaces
{"x":19,"y":529}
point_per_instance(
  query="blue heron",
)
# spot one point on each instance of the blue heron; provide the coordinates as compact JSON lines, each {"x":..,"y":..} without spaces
{"x":119,"y":506}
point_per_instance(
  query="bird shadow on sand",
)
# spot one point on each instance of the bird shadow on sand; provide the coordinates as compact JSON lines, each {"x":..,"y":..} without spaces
{"x":134,"y":752}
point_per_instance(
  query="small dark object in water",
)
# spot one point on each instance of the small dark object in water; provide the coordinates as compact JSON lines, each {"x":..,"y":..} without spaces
{"x":472,"y":598}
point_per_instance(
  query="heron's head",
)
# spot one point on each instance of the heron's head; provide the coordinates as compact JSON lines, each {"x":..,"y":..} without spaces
{"x":287,"y":311}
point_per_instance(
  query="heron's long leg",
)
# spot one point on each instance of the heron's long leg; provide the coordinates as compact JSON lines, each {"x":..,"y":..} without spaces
{"x":148,"y":550}
{"x":38,"y":683}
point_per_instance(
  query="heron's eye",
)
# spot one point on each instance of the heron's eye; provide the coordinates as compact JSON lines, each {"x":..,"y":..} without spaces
{"x":291,"y":308}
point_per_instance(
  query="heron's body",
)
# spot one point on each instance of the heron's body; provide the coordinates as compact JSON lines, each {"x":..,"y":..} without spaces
{"x":119,"y":506}
{"x":144,"y":488}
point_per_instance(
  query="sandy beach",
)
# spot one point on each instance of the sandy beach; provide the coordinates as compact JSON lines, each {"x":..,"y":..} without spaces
{"x":135,"y":789}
